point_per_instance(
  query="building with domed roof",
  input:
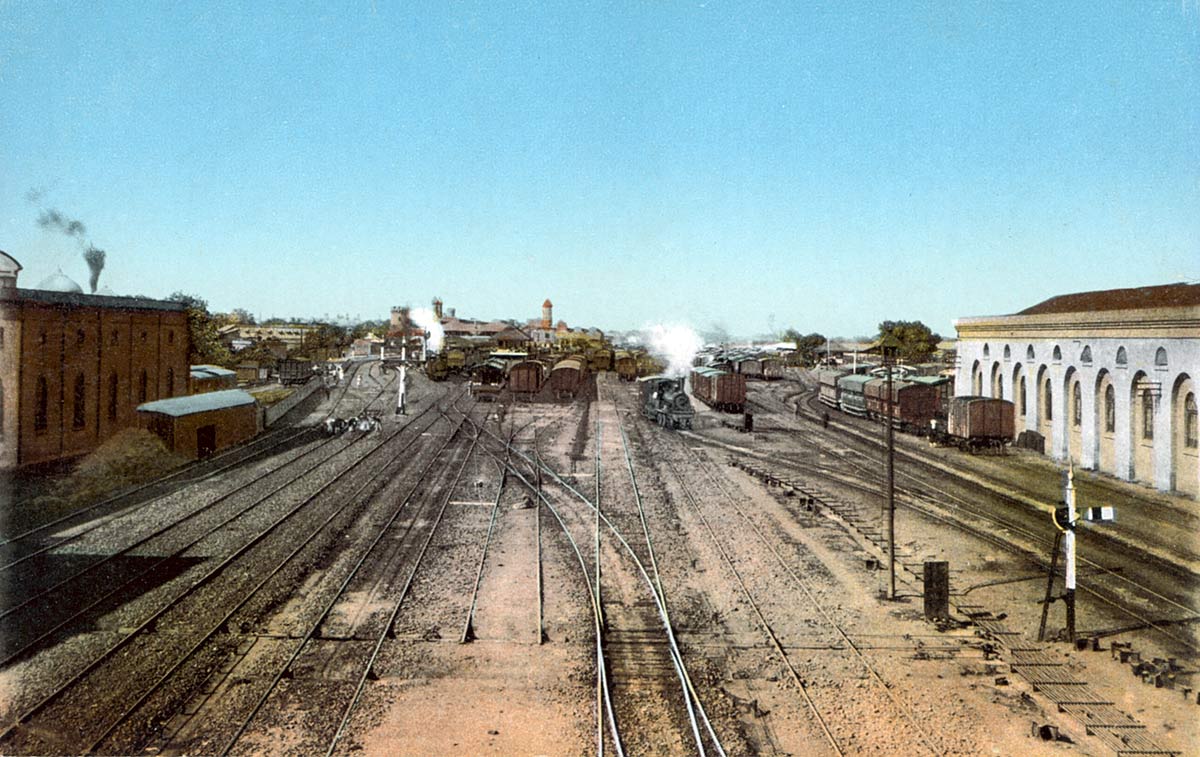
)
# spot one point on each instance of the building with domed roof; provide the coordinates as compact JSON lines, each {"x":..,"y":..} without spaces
{"x":74,"y":366}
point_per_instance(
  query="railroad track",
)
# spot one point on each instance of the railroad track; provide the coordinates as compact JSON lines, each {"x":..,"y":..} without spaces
{"x":59,"y":593}
{"x":189,"y":628}
{"x":998,"y":526}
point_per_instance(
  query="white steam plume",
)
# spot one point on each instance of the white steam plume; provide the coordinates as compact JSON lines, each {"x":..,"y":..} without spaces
{"x":425,"y":319}
{"x":675,"y":343}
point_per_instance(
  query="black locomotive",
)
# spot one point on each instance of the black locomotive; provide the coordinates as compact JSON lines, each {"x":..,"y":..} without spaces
{"x":665,"y":402}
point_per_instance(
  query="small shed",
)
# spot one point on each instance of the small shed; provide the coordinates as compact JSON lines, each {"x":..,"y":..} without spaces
{"x":202,"y":424}
{"x":212,"y":378}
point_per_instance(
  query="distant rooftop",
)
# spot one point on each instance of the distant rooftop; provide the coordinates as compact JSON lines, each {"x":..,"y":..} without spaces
{"x":1166,"y":295}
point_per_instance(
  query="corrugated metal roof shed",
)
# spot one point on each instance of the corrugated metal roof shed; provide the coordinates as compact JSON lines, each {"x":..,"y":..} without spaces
{"x":210,"y":371}
{"x":198,"y":403}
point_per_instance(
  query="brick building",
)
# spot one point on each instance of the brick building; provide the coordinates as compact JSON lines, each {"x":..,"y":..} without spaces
{"x":74,"y":367}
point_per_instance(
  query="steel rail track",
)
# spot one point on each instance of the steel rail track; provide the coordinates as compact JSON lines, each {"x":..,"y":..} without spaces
{"x":677,"y":657}
{"x":604,"y":699}
{"x":376,"y":480}
{"x":800,"y":582}
{"x":985,"y":516}
{"x":150,"y":622}
{"x":115,"y":591}
{"x":468,"y":631}
{"x":315,"y":627}
{"x":101,"y":522}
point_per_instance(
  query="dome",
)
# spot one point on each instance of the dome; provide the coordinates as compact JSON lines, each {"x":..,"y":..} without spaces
{"x":59,"y":282}
{"x":547,"y":304}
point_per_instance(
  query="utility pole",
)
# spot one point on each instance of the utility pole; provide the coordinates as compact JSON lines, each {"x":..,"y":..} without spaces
{"x":1069,"y":552}
{"x":888,"y":349}
{"x":400,"y":408}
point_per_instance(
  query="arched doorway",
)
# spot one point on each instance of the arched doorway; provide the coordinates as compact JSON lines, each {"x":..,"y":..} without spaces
{"x":1073,"y":392}
{"x":1141,"y":429}
{"x":976,"y":380}
{"x":1185,"y":442}
{"x":1045,"y":408}
{"x":1105,"y":419}
{"x":997,"y":381}
{"x":1019,"y":398}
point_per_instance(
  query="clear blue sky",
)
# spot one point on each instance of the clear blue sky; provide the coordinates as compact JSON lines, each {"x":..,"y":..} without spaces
{"x":745,"y":164}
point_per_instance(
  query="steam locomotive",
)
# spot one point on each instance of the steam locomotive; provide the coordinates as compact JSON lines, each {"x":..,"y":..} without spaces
{"x":665,"y":402}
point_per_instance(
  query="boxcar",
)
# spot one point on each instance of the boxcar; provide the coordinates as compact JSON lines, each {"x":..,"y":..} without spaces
{"x":527,"y":376}
{"x":829,"y":385}
{"x":750,"y":367}
{"x":600,"y":359}
{"x":625,"y":364}
{"x":914,"y":405}
{"x":489,"y":372}
{"x":772,"y":368}
{"x":456,"y":359}
{"x":295,"y":371}
{"x":851,"y":397}
{"x":567,"y":376}
{"x":719,"y":389}
{"x":979,"y":422}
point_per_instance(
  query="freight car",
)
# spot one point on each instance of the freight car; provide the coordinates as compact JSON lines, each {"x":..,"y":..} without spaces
{"x":600,"y":359}
{"x":974,"y":423}
{"x":296,"y":371}
{"x":828,"y":379}
{"x":914,"y":405}
{"x":748,"y":366}
{"x":527,"y":376}
{"x":851,"y":396}
{"x":720,"y":390}
{"x":772,"y":368}
{"x":665,"y":402}
{"x":437,"y":369}
{"x":625,"y":364}
{"x":566,"y":377}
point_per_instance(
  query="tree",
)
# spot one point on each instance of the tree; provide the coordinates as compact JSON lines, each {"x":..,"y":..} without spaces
{"x":808,"y":346}
{"x":204,"y":343}
{"x":917,"y":341}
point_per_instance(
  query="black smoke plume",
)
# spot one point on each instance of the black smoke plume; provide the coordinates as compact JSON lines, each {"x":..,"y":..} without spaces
{"x":95,"y":260}
{"x":53,"y":220}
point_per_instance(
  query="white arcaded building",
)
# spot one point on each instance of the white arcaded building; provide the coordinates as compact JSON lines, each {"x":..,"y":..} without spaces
{"x":1107,"y":378}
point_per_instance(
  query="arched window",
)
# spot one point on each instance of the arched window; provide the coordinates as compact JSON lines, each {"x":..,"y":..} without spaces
{"x":1122,"y":358}
{"x":1047,"y":404}
{"x":80,"y":338}
{"x":1110,"y":409}
{"x":1076,"y":405}
{"x":1007,"y":352}
{"x":143,"y":382}
{"x":170,"y":336}
{"x":1147,"y":415}
{"x":986,"y":350}
{"x":42,"y":405}
{"x":1029,"y":352}
{"x":1086,"y":356}
{"x":112,"y":396}
{"x":1160,"y":357}
{"x":1024,"y":406}
{"x":115,"y":338}
{"x":170,"y":382}
{"x":1189,"y":422}
{"x":79,"y":408}
{"x":1057,"y":353}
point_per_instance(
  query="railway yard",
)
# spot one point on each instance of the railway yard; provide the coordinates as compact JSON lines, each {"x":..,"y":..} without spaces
{"x":562,"y":575}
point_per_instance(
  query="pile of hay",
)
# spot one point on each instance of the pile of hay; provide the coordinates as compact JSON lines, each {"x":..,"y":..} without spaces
{"x":131,"y":456}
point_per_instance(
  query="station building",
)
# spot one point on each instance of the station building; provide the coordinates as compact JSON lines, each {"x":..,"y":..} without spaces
{"x":1107,"y":378}
{"x":74,"y":367}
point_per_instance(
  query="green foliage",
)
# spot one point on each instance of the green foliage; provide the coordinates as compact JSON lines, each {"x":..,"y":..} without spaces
{"x":204,"y":343}
{"x":917,"y":342}
{"x":378,"y":328}
{"x":808,"y":346}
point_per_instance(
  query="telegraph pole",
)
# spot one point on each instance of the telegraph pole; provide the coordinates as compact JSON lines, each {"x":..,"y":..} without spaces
{"x":888,"y":350}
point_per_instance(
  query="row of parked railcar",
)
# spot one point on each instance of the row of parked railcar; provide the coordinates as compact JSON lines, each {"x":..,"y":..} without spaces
{"x":921,"y":405}
{"x":751,"y":366}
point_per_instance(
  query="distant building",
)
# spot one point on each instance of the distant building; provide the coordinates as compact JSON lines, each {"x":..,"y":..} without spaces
{"x":1108,"y":378}
{"x":202,"y":424}
{"x":73,"y":366}
{"x":211,"y":378}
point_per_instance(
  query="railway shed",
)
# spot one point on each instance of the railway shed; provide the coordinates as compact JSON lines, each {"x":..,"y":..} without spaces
{"x":212,"y":378}
{"x":202,"y":424}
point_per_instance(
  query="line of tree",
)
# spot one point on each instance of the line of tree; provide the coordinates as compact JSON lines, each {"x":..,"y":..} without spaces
{"x":808,"y":346}
{"x":916,"y":341}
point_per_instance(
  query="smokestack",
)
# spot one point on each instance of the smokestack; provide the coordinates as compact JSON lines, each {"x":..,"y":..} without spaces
{"x":95,"y":261}
{"x":437,"y":308}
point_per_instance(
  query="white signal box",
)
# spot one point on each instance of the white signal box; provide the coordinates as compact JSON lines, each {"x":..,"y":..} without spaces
{"x":1100,"y":513}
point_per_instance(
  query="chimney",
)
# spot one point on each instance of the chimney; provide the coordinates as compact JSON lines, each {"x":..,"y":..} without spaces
{"x":437,"y":308}
{"x":547,"y":314}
